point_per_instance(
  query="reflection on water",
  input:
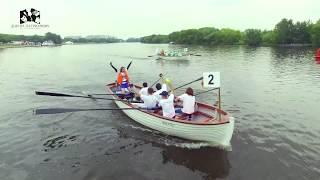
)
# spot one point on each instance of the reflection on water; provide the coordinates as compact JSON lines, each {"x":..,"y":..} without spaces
{"x":291,"y":52}
{"x":212,"y":162}
{"x":58,"y":142}
{"x":177,"y":62}
{"x":273,"y":93}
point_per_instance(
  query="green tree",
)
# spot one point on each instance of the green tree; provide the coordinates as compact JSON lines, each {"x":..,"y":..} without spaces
{"x":189,"y":36}
{"x":53,"y":37}
{"x":269,"y":38}
{"x":228,"y":36}
{"x":301,"y":32}
{"x":208,"y":35}
{"x":155,"y":39}
{"x":284,"y":32}
{"x":315,"y":34}
{"x":252,"y":37}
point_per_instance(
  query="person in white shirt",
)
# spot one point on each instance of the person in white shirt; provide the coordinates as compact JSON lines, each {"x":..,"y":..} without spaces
{"x":189,"y":101}
{"x":149,"y":101}
{"x":167,"y":104}
{"x":144,"y":90}
{"x":160,"y":88}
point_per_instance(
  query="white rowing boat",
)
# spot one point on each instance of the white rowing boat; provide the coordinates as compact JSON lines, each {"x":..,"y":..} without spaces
{"x":208,"y":124}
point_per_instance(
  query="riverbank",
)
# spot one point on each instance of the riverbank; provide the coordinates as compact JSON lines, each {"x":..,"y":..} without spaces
{"x":3,"y":46}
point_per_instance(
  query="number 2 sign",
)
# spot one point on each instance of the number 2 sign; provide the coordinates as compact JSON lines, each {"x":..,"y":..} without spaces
{"x":211,"y":79}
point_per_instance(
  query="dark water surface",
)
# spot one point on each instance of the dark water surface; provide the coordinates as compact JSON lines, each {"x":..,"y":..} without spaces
{"x":274,"y":94}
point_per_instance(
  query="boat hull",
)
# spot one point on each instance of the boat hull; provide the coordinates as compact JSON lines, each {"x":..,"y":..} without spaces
{"x":214,"y":134}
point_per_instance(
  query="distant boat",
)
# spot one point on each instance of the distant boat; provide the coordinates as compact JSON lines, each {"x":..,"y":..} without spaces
{"x":48,"y":43}
{"x":172,"y":55}
{"x":68,"y":43}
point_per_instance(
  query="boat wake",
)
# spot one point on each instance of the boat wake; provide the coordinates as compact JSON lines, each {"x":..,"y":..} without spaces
{"x":199,"y":145}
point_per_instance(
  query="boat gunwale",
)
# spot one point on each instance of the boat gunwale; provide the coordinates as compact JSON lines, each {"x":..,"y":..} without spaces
{"x":227,"y":117}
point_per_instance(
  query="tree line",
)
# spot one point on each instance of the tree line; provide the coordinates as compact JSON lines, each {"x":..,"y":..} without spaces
{"x":285,"y":32}
{"x":93,"y":40}
{"x":6,"y":38}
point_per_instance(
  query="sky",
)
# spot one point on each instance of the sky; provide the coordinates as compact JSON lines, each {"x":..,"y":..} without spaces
{"x":136,"y":18}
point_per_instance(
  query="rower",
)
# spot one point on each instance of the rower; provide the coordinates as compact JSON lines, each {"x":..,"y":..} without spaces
{"x":188,"y":100}
{"x":160,"y":88}
{"x":144,"y":90}
{"x":149,"y":101}
{"x":167,"y":104}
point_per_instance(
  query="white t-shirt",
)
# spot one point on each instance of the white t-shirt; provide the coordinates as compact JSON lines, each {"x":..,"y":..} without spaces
{"x":167,"y":106}
{"x":188,"y":103}
{"x":163,"y":88}
{"x":149,"y":101}
{"x":144,"y":91}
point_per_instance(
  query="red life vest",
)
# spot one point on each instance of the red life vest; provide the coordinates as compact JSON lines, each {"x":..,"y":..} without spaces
{"x":120,"y":78}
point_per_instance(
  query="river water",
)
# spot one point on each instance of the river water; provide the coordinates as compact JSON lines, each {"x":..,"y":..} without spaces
{"x":273,"y":93}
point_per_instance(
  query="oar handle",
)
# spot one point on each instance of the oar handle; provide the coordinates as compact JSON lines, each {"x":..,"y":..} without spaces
{"x":206,"y":91}
{"x":66,"y":110}
{"x":70,"y":95}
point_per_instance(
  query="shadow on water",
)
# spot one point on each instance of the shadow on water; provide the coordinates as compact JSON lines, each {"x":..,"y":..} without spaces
{"x":213,"y":162}
{"x":177,"y":62}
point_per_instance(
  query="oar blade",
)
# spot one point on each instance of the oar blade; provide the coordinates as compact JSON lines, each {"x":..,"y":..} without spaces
{"x":42,"y":93}
{"x":55,"y":110}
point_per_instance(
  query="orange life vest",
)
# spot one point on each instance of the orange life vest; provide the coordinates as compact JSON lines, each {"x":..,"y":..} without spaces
{"x":119,"y":80}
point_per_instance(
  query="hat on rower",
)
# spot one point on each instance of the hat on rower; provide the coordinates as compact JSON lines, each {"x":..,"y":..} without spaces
{"x":164,"y":93}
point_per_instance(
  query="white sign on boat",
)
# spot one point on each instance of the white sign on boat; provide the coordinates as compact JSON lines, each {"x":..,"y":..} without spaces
{"x":211,"y":79}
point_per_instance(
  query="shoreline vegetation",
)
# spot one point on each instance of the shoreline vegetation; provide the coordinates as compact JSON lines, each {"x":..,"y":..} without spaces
{"x":285,"y":33}
{"x":51,"y":39}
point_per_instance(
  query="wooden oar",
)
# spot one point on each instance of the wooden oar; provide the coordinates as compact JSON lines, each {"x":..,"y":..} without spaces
{"x":161,"y":76}
{"x":41,"y":93}
{"x":188,"y":83}
{"x":65,"y":110}
{"x":195,"y":54}
{"x":100,"y":94}
{"x":206,"y":91}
